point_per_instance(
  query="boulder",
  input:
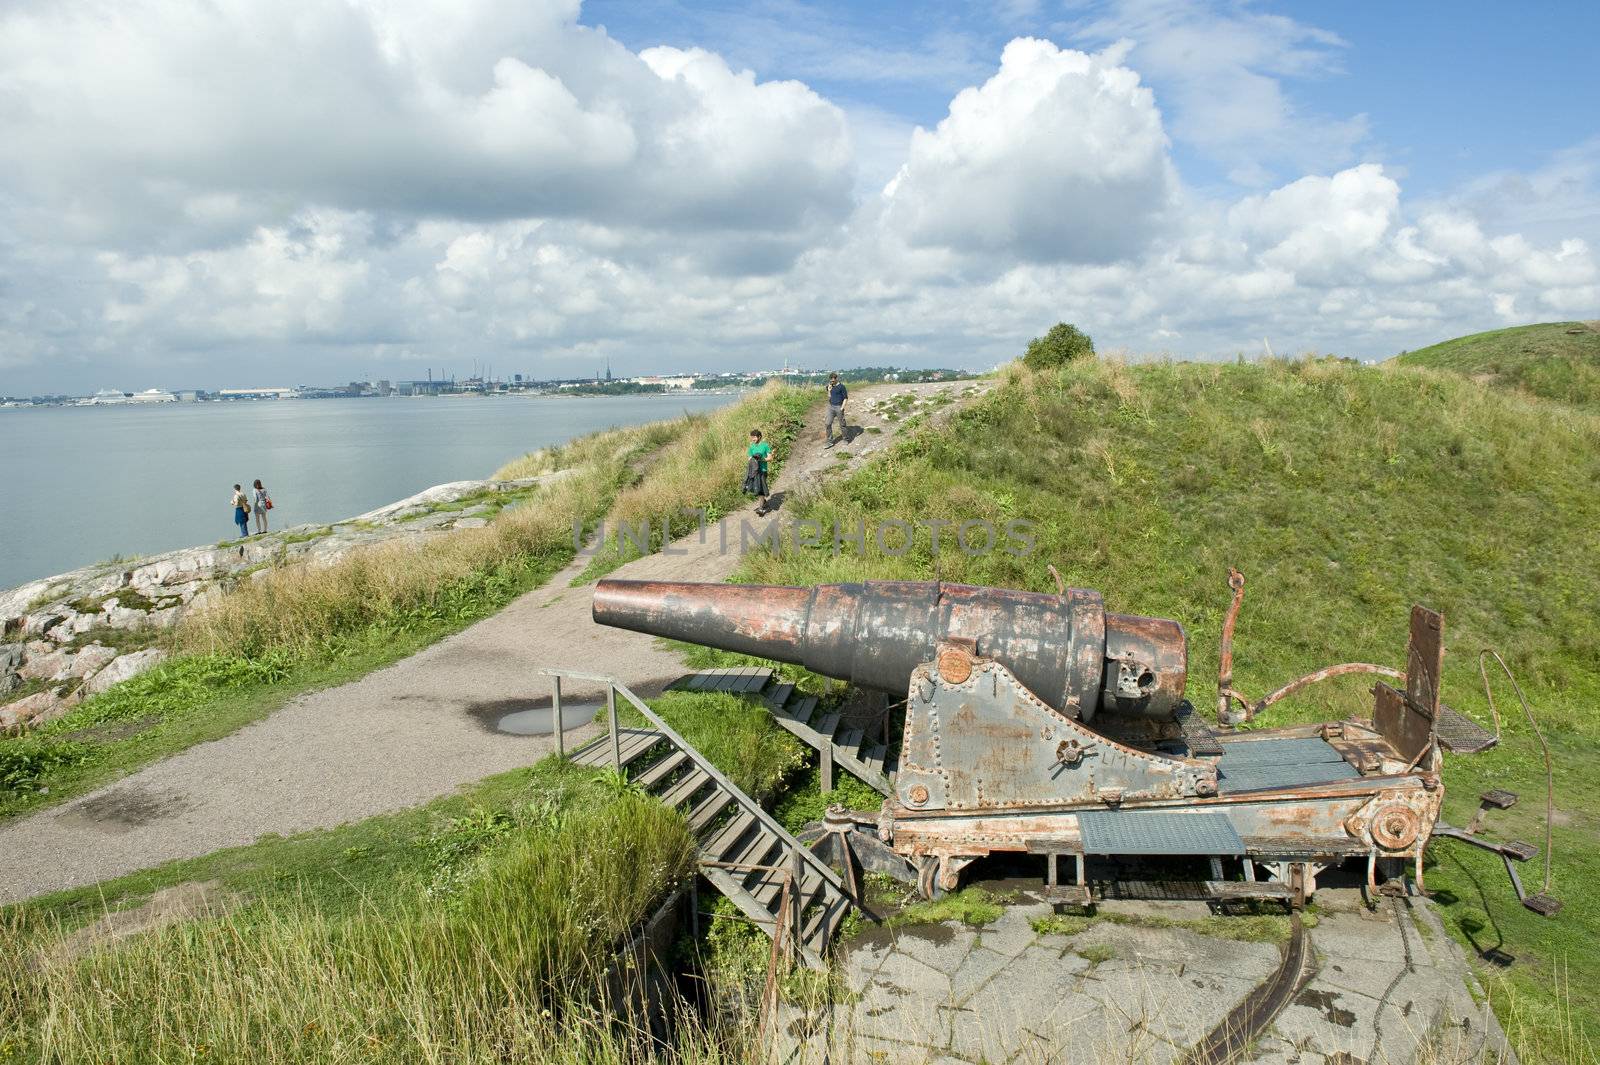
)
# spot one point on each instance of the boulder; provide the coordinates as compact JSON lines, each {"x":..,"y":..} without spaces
{"x":28,"y":712}
{"x":11,"y":656}
{"x":52,"y":666}
{"x":37,"y":647}
{"x":37,"y":622}
{"x":89,"y":661}
{"x":472,"y":523}
{"x":122,"y":617}
{"x":8,"y":681}
{"x":122,"y":668}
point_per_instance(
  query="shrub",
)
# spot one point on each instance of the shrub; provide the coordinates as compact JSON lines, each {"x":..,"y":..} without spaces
{"x":1061,"y":345}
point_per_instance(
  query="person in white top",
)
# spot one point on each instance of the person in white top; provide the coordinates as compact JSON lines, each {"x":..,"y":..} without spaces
{"x":263,"y":504}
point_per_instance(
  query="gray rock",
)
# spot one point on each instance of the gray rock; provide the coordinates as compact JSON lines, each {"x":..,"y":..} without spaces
{"x":123,"y":668}
{"x":33,"y":710}
{"x":89,"y":661}
{"x":11,"y":656}
{"x":51,"y":666}
{"x":472,"y":523}
{"x":121,"y":617}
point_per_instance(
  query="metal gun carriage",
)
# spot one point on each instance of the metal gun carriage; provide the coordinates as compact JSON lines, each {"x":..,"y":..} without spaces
{"x":1042,"y":723}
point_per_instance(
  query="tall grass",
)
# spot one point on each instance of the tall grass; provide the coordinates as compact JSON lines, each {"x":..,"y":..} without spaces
{"x":398,"y":582}
{"x":510,"y":967}
{"x":702,"y":471}
{"x":1345,"y":493}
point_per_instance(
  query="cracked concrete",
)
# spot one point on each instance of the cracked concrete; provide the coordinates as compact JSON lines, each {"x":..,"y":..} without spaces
{"x":1384,"y":993}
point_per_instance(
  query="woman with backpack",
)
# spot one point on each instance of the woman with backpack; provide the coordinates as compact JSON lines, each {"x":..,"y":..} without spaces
{"x":263,"y":504}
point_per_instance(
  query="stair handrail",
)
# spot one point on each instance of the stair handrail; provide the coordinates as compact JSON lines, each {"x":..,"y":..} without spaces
{"x":792,"y":845}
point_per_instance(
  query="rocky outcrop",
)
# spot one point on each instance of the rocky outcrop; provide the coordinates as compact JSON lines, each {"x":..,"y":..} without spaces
{"x":47,"y":626}
{"x":122,"y":668}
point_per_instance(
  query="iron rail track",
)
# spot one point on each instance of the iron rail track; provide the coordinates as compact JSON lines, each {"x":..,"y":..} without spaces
{"x":1245,"y":1023}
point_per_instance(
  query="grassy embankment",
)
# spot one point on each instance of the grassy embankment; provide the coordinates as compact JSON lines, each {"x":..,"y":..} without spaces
{"x":1555,"y":360}
{"x":295,"y":628}
{"x":470,"y":930}
{"x":1345,"y":493}
{"x":699,"y":477}
{"x":476,"y":929}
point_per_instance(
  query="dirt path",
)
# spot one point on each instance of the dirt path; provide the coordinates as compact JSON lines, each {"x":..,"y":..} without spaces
{"x":420,"y":728}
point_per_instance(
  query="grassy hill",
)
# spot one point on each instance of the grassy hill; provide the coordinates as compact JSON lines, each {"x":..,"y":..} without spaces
{"x":1556,"y":360}
{"x":1345,"y":493}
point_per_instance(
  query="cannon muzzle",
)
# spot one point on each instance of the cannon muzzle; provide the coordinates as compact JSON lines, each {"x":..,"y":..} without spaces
{"x":1065,"y":648}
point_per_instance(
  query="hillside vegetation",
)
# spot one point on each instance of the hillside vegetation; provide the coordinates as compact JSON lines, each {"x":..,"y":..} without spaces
{"x":1556,"y":360}
{"x":1345,"y":493}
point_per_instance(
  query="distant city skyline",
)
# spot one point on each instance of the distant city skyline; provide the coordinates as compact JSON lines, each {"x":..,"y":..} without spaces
{"x":309,"y":192}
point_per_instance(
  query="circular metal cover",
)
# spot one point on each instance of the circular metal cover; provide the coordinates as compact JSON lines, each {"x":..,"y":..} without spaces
{"x":954,"y":666}
{"x":1395,"y":826}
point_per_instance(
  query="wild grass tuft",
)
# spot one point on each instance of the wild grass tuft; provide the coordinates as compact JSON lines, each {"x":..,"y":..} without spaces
{"x":510,"y":969}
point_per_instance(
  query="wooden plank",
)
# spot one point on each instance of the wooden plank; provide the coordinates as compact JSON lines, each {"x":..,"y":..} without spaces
{"x":663,"y":769}
{"x":827,"y":725}
{"x":708,"y":810}
{"x":685,"y":789}
{"x":725,"y":840}
{"x":849,"y":743}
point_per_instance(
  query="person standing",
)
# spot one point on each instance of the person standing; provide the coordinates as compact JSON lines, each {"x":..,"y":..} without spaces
{"x":837,"y":395}
{"x":241,"y":511}
{"x":755,"y":475}
{"x":263,"y":504}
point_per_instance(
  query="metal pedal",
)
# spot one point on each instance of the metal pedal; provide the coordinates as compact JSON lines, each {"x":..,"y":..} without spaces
{"x":1543,"y":905}
{"x":1517,"y":850}
{"x":1490,"y":800}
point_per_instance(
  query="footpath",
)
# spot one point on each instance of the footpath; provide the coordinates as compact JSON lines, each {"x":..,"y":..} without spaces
{"x":415,"y":730}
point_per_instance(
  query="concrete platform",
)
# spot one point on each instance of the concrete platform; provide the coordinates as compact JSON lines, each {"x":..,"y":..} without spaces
{"x":1390,"y":989}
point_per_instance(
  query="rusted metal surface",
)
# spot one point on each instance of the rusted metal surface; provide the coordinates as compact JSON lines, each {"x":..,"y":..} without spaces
{"x":1225,"y":714}
{"x":1024,"y":711}
{"x":1065,"y":648}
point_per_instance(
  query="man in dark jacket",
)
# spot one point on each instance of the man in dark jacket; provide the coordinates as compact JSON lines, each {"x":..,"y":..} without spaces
{"x":837,"y":395}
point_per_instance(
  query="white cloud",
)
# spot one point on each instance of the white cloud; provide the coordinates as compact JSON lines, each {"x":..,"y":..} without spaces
{"x":1058,"y":157}
{"x":140,"y":117}
{"x":1222,"y":70}
{"x":291,"y":192}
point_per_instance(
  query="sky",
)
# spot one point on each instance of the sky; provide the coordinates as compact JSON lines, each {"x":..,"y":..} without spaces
{"x":313,"y":191}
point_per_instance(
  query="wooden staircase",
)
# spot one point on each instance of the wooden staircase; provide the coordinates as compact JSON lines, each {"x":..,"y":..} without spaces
{"x":840,"y":747}
{"x":742,"y":850}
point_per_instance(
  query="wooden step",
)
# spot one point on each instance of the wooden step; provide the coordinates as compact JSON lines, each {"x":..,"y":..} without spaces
{"x":826,"y":727}
{"x":708,"y":810}
{"x":756,"y":850}
{"x":662,"y":770}
{"x":684,"y":790}
{"x":849,"y":742}
{"x":633,"y":744}
{"x":800,"y":713}
{"x":779,"y":696}
{"x":873,"y":758}
{"x":717,"y":847}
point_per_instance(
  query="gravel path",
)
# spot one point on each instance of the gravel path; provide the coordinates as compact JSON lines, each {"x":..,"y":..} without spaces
{"x":402,"y":735}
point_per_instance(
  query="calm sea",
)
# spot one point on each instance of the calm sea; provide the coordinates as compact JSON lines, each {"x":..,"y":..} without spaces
{"x":81,"y":484}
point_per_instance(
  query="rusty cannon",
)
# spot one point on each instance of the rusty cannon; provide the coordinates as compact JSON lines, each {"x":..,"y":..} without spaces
{"x":1043,"y":723}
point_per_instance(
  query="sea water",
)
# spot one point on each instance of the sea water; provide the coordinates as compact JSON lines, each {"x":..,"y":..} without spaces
{"x":84,"y":484}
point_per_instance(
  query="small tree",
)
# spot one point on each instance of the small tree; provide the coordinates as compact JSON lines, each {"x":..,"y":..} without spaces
{"x":1059,"y":346}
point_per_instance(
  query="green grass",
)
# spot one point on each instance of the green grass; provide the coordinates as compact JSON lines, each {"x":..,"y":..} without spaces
{"x":972,"y":906}
{"x":702,"y":472}
{"x":1253,"y":928}
{"x":470,"y":930}
{"x":1556,"y":360}
{"x":735,"y":734}
{"x":1345,"y":493}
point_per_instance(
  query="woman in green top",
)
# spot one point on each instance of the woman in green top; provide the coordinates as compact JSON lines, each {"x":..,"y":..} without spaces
{"x":755,"y":476}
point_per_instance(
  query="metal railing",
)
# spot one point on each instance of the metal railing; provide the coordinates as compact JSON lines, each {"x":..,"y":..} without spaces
{"x":799,"y":856}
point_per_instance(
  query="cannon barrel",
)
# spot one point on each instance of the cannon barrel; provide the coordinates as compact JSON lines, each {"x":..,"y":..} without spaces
{"x":1065,"y":648}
